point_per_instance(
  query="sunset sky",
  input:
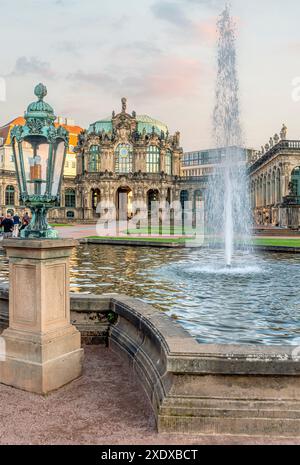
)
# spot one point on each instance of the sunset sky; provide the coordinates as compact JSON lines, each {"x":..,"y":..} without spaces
{"x":161,"y":55}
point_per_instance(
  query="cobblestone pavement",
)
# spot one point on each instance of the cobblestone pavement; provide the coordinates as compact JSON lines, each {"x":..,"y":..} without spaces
{"x":104,"y":406}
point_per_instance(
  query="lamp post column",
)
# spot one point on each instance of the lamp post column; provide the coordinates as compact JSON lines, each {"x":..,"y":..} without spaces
{"x":43,"y":350}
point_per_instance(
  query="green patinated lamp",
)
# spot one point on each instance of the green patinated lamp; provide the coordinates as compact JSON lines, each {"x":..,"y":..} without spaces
{"x":39,"y":150}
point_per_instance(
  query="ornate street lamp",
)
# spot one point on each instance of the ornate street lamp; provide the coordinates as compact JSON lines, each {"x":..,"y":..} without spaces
{"x":39,"y":152}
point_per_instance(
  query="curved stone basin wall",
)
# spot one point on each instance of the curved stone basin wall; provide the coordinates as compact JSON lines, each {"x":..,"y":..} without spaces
{"x":198,"y":388}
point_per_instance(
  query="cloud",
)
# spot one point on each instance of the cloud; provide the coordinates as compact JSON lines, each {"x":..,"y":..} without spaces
{"x":97,"y":79}
{"x":171,"y":12}
{"x":207,"y":30}
{"x":33,"y":65}
{"x":138,"y":48}
{"x":207,"y":3}
{"x":68,"y":47}
{"x":167,"y":78}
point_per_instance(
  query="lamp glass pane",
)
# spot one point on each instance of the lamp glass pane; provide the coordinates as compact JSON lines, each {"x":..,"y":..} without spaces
{"x":35,"y":156}
{"x":17,"y":164}
{"x":58,"y":165}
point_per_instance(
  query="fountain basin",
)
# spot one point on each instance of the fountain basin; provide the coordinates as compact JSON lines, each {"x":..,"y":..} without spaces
{"x":194,"y":388}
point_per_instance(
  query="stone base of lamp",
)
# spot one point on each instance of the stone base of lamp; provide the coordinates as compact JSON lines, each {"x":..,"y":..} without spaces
{"x":42,"y":349}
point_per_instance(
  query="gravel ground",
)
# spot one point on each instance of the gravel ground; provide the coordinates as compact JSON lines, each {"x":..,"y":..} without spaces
{"x":105,"y":406}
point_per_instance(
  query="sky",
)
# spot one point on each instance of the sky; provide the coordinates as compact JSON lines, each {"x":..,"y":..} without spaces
{"x":160,"y":54}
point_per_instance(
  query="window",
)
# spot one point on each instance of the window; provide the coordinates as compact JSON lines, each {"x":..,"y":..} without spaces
{"x":123,"y":156}
{"x":70,"y":198}
{"x":168,"y":162}
{"x":10,"y":195}
{"x":94,"y":159}
{"x":153,"y":159}
{"x":295,"y":182}
{"x":184,"y":197}
{"x":70,"y":214}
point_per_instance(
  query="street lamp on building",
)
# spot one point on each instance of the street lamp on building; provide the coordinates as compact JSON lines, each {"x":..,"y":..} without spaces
{"x":39,"y":150}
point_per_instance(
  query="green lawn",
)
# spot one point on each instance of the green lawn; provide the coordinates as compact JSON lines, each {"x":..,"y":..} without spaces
{"x":276,"y":242}
{"x":163,"y":231}
{"x":272,"y":242}
{"x":61,"y":225}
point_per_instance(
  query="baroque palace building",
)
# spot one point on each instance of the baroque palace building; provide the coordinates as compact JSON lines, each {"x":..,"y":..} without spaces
{"x":124,"y":160}
{"x":275,"y":182}
{"x":125,"y":156}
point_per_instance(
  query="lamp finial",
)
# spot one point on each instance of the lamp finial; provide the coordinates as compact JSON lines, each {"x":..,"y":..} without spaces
{"x":40,"y":91}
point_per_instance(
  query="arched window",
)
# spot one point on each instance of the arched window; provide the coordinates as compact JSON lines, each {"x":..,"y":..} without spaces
{"x":153,"y":159}
{"x":10,"y":195}
{"x":152,"y":196}
{"x":123,"y":157}
{"x":198,"y":198}
{"x":94,"y":159}
{"x":168,"y":162}
{"x":70,"y":198}
{"x":95,"y":198}
{"x":184,"y":197}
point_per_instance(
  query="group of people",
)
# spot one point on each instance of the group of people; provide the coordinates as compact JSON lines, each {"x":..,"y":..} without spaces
{"x":11,"y":225}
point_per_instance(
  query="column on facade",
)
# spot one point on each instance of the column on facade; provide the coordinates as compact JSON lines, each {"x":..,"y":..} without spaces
{"x":162,"y":160}
{"x":286,"y":177}
{"x":278,"y":186}
{"x":79,"y":164}
{"x":260,"y":190}
{"x":62,"y":197}
{"x":268,"y":189}
{"x":143,"y":160}
{"x":140,"y":160}
{"x":107,"y":160}
{"x":255,"y":192}
{"x":176,"y":164}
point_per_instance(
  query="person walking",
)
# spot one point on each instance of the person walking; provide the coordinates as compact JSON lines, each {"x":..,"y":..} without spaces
{"x":8,"y":226}
{"x":25,"y":221}
{"x":17,"y":222}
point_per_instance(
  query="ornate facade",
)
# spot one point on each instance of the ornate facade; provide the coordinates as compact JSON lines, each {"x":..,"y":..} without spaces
{"x":275,"y":182}
{"x":125,"y":154}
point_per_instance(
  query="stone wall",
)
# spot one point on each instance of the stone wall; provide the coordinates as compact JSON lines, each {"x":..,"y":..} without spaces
{"x":193,"y":388}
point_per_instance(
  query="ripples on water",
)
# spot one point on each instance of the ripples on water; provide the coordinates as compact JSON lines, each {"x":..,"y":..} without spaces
{"x":254,"y":304}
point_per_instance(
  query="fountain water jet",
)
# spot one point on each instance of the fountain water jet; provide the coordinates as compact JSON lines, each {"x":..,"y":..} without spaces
{"x":228,"y":210}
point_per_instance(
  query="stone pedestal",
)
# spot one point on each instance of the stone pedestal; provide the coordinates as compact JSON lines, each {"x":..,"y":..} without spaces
{"x":43,"y":350}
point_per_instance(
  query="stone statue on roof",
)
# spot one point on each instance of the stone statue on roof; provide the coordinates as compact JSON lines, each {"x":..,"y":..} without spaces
{"x":124,"y":104}
{"x":283,"y":132}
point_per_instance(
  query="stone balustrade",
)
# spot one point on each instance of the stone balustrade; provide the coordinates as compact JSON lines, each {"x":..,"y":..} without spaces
{"x":282,"y":146}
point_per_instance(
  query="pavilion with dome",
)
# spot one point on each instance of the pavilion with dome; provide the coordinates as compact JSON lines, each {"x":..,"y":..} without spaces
{"x":126,"y":154}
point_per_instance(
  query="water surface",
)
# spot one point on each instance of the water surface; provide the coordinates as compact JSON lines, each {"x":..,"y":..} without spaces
{"x":255,"y":302}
